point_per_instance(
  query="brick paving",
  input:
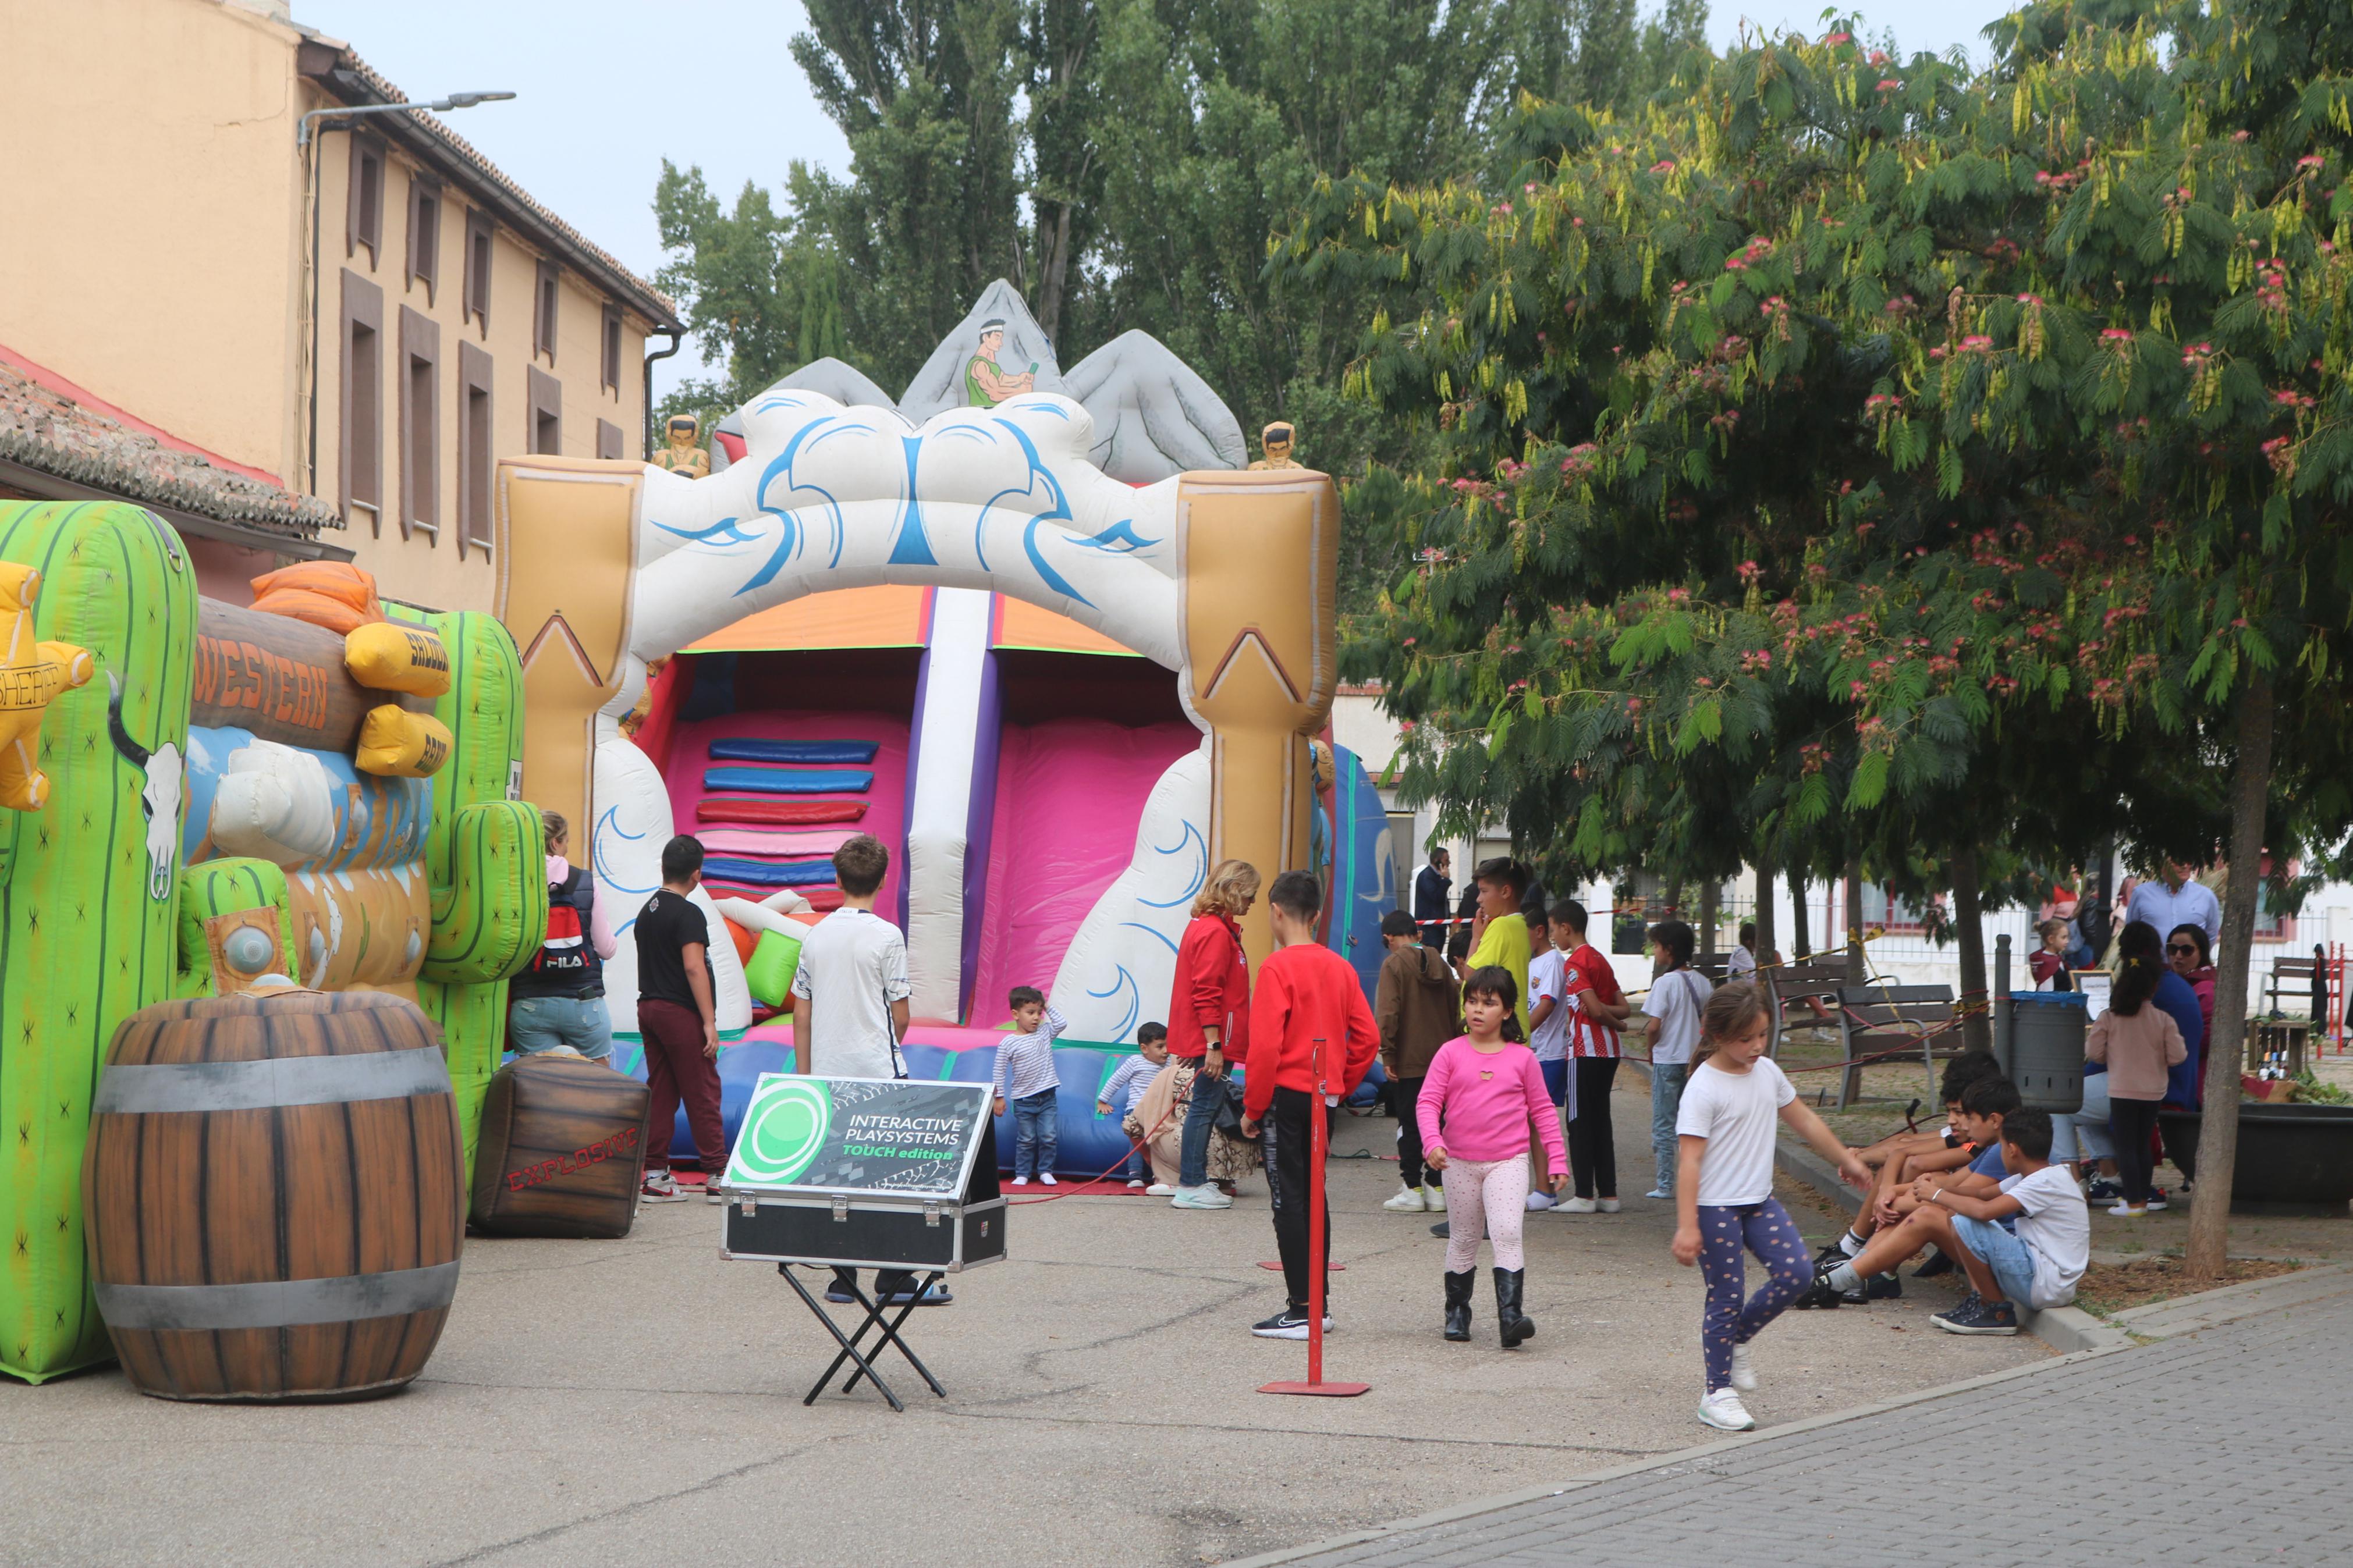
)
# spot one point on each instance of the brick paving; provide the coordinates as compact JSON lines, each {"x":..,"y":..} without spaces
{"x":2223,"y":1446}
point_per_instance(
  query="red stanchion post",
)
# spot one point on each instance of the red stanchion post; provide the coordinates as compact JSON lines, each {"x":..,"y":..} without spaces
{"x":1316,"y":1112}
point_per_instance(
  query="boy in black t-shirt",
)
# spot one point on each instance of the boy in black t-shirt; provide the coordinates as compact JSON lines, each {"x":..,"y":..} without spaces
{"x":679,"y":1023}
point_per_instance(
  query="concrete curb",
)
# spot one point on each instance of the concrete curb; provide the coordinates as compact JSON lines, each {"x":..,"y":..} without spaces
{"x":2228,"y":1304}
{"x":2070,"y":1330}
{"x":1676,"y":1460}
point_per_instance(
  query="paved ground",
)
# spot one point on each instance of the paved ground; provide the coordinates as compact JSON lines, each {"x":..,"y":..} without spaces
{"x":2222,"y":1446}
{"x":640,"y":1400}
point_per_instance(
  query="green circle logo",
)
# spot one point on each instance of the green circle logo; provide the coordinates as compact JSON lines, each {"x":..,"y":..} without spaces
{"x":783,"y":1130}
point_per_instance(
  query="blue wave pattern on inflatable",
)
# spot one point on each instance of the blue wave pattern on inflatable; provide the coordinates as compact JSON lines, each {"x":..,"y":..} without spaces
{"x":780,"y":781}
{"x":740,"y":750}
{"x":769,"y":873}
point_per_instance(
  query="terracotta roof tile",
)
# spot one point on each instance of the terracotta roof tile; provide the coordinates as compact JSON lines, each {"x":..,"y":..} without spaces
{"x":49,"y":432}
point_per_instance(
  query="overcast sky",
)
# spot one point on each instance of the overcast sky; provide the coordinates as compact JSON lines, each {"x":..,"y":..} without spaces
{"x":609,"y":89}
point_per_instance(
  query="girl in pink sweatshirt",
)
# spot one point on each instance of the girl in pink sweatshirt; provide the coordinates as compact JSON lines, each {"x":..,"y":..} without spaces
{"x":1483,"y":1091}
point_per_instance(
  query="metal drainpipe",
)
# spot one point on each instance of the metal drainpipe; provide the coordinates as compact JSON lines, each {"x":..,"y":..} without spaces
{"x":677,"y":341}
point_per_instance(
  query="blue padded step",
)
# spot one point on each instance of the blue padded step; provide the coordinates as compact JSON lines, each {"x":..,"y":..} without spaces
{"x":799,"y":781}
{"x":769,"y":873}
{"x":740,"y":750}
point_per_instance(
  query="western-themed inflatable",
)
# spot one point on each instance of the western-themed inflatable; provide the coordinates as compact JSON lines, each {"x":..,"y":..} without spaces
{"x":205,"y":801}
{"x":270,"y":868}
{"x":1041,"y":634}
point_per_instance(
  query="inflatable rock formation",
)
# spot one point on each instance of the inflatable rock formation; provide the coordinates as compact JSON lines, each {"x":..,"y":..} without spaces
{"x":1154,"y":415}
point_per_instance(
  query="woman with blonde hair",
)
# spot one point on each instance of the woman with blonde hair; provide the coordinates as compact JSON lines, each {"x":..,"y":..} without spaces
{"x":1208,"y":1019}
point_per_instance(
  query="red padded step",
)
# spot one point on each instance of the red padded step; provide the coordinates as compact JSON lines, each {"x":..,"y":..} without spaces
{"x":738,"y":808}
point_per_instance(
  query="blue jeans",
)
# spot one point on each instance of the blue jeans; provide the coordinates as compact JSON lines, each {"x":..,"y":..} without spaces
{"x":1666,"y":1097}
{"x":1998,"y":1249}
{"x":1200,"y":1121}
{"x":1036,"y":1131}
{"x":536,"y":1024}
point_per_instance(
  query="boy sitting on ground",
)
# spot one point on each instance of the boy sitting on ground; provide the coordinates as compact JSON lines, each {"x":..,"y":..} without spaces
{"x":1986,"y":1105}
{"x":2034,"y":1266}
{"x":1905,"y":1157}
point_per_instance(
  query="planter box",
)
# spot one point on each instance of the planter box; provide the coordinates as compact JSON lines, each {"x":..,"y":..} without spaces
{"x":2292,"y":1158}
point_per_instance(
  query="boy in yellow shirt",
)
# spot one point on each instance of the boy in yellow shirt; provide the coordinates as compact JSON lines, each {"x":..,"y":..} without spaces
{"x":1499,"y":933}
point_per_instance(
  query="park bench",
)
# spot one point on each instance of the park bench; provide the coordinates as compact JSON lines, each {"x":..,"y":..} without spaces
{"x":1877,"y":1019}
{"x":1788,"y":983}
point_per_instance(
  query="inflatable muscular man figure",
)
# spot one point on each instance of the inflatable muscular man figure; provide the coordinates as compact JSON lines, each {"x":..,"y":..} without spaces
{"x":985,"y":384}
{"x":684,"y":456}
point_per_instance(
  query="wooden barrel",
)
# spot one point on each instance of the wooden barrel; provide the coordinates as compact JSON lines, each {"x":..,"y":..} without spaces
{"x":562,"y":1142}
{"x":274,"y":1185}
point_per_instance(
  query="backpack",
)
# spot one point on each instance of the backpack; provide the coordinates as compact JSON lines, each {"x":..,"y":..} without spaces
{"x":566,"y":962}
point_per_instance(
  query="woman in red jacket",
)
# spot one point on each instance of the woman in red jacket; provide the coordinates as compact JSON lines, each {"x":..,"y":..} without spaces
{"x":1208,"y":1019}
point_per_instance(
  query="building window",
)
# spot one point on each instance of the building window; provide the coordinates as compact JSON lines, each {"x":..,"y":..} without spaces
{"x":478,"y":270}
{"x":420,"y":425}
{"x":476,"y":449}
{"x":611,"y":371}
{"x":364,"y":202}
{"x":361,"y":449}
{"x":543,"y":313}
{"x":425,"y":235}
{"x":1894,"y":915}
{"x":545,"y":435}
{"x":608,"y":439}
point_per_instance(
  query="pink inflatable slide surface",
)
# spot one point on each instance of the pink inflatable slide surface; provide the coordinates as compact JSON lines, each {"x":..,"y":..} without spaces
{"x":1069,"y":792}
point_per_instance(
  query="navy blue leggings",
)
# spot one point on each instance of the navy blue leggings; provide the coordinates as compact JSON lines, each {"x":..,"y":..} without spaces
{"x":1767,"y":1231}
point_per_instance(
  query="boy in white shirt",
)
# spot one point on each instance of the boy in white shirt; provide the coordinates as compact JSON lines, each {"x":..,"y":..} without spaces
{"x":2035,"y":1267}
{"x":1672,"y":1012}
{"x":1128,"y":1084}
{"x":1026,"y":1080}
{"x":1548,"y":1038}
{"x":849,"y":1008}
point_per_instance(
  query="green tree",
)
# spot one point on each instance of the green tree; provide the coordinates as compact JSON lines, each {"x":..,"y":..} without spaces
{"x":1903,"y":424}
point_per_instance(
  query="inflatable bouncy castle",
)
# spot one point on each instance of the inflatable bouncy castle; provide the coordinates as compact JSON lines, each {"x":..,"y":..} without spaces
{"x":1053,"y":648}
{"x":215,"y":799}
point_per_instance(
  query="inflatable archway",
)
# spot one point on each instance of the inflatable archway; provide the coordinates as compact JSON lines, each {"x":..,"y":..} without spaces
{"x":1225,"y":578}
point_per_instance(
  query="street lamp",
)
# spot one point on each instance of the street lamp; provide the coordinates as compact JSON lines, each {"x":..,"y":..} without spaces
{"x":441,"y":105}
{"x":302,"y":142}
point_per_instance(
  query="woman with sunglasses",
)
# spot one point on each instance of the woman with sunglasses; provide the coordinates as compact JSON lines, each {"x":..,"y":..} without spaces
{"x":2187,"y":955}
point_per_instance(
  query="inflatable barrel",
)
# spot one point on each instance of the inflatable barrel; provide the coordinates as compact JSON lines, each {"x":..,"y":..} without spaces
{"x":86,"y":891}
{"x":560,"y":1151}
{"x":275,"y":1184}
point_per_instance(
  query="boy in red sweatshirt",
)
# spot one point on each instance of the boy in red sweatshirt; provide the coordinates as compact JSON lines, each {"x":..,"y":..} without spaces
{"x":1306,"y":993}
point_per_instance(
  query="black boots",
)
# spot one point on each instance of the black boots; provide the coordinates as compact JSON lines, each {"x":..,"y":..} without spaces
{"x":1513,"y":1324}
{"x":1458,"y":1303}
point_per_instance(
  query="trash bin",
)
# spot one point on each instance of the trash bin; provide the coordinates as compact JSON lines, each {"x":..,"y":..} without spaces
{"x":2045,"y":1054}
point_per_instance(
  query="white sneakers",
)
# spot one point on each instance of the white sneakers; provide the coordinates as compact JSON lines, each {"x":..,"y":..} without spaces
{"x":1744,"y":1370}
{"x":1579,"y":1205}
{"x":1158,"y":1190}
{"x":1407,"y":1200}
{"x":1136,"y":1185}
{"x":1433,"y":1195}
{"x":1606,"y":1205}
{"x":1539,"y":1202}
{"x":1206,"y":1196}
{"x":1048,"y":1178}
{"x":1723,"y":1411}
{"x":1020,"y":1181}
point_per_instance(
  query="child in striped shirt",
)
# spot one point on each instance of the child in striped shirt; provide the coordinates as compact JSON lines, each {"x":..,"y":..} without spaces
{"x":1025,"y":1079}
{"x":1124,"y":1089}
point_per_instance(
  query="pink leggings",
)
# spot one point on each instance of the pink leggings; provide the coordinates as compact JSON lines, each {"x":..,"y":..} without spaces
{"x":1489,"y":1193}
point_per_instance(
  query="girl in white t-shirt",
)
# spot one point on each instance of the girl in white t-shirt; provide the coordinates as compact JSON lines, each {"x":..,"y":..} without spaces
{"x":1723,"y":1191}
